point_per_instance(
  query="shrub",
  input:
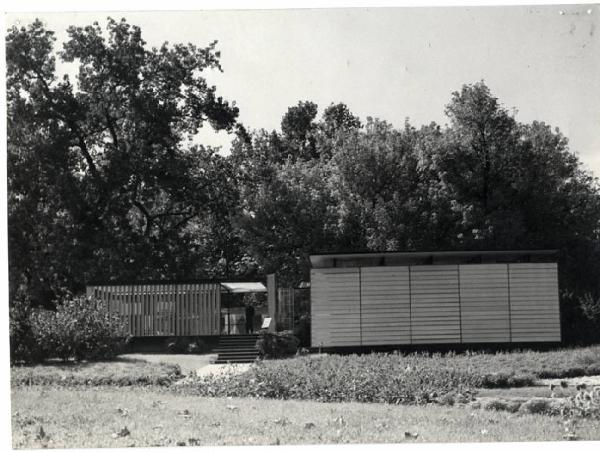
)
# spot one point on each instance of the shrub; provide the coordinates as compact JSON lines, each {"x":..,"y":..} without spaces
{"x":302,"y":330}
{"x":23,"y":345}
{"x":197,"y":346}
{"x":586,"y":404}
{"x":542,"y":405}
{"x":495,"y":404}
{"x":81,"y":329}
{"x":181,"y":345}
{"x":277,"y":345}
{"x":176,"y":345}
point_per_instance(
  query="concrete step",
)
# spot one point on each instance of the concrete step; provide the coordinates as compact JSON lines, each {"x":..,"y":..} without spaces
{"x":234,"y":358}
{"x":234,"y":349}
{"x":235,"y":362}
{"x":237,"y":349}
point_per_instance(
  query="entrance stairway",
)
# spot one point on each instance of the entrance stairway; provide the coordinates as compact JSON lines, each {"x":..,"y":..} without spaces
{"x":239,"y":348}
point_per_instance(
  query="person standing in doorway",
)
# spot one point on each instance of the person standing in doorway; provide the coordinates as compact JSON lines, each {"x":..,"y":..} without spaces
{"x":249,"y":319}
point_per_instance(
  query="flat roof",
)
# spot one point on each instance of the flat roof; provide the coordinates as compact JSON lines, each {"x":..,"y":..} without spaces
{"x":320,"y":260}
{"x":243,"y":287}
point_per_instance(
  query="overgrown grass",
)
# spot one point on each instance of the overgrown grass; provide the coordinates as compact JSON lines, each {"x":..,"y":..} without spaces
{"x":394,"y":378}
{"x":528,"y":364}
{"x":120,"y":372}
{"x":121,"y":417}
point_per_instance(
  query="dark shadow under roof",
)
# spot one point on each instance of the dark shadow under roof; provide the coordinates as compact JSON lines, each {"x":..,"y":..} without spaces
{"x":358,"y":259}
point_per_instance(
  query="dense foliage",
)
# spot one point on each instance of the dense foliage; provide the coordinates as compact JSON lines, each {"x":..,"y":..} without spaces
{"x":108,"y":167}
{"x":79,"y":329}
{"x":277,"y":345}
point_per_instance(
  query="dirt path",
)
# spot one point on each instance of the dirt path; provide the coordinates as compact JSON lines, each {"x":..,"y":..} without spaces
{"x":188,"y":363}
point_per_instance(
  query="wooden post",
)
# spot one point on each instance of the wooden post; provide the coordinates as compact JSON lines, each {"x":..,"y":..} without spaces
{"x":272,"y":299}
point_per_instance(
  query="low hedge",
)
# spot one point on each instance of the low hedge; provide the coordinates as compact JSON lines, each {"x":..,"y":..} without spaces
{"x":391,"y":378}
{"x":365,"y":378}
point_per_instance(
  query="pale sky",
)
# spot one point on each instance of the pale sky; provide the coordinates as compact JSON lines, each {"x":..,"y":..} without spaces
{"x":392,"y":63}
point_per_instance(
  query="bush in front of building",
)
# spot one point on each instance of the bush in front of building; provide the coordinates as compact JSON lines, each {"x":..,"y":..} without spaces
{"x":80,"y":328}
{"x":182,"y":345}
{"x":277,"y":345}
{"x":23,"y":344}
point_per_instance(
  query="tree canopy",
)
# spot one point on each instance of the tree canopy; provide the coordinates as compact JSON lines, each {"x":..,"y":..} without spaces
{"x":107,"y":180}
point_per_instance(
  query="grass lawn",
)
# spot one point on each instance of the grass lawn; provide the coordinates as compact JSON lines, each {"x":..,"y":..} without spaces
{"x":93,"y":417}
{"x":120,"y":372}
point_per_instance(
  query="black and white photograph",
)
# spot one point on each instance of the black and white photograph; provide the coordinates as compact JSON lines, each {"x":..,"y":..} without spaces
{"x":337,"y":226}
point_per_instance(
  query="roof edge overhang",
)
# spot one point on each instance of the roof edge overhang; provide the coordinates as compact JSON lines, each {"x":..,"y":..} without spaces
{"x":151,"y":282}
{"x":329,"y":259}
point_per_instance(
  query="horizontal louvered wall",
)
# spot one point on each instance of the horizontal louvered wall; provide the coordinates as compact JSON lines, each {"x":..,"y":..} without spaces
{"x":335,"y":308}
{"x":485,"y":312}
{"x":435,"y":304}
{"x":385,"y":305}
{"x":534,"y":306}
{"x":164,"y":309}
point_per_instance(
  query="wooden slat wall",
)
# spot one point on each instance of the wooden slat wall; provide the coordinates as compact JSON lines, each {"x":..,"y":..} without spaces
{"x":335,"y":310}
{"x":385,"y":305}
{"x":485,"y":313}
{"x":165,"y":309}
{"x":534,"y":303}
{"x":435,"y":306}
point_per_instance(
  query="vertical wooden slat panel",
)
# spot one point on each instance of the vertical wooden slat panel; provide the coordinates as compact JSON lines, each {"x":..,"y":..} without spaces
{"x":186,"y":303}
{"x":215,"y":315}
{"x":215,"y":309}
{"x":129,"y":296}
{"x":126,"y":307}
{"x":160,"y":310}
{"x":198,"y":300}
{"x":201,"y":299}
{"x":181,"y":307}
{"x":186,"y":308}
{"x":134,"y":290}
{"x":204,"y":304}
{"x":145,"y":310}
{"x":195,"y":322}
{"x":184,"y":331}
{"x":208,"y":313}
{"x":173,"y":309}
{"x":142,"y":305}
{"x":153,"y":304}
{"x":171,"y":306}
{"x":138,"y":307}
{"x":190,"y":312}
{"x":177,"y":310}
{"x":131,"y":293}
{"x":157,"y":325}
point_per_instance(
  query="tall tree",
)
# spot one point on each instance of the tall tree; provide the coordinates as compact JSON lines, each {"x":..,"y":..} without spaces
{"x":116,"y":181}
